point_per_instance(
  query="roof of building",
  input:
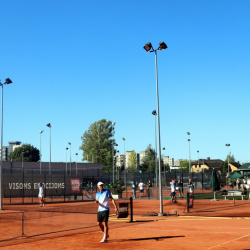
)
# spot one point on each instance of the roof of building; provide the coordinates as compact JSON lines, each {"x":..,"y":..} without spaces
{"x":217,"y":164}
{"x":245,"y":166}
{"x":236,"y":164}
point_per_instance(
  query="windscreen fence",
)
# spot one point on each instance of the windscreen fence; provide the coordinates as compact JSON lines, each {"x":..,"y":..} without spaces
{"x":22,"y":187}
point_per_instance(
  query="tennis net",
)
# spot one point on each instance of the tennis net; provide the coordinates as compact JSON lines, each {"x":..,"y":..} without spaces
{"x":59,"y":218}
{"x":218,"y":204}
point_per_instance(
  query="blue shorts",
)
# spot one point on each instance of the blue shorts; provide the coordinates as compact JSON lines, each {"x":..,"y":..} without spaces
{"x":172,"y":194}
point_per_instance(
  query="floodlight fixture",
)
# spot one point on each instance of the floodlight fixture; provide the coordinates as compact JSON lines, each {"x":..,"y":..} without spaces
{"x":162,"y":46}
{"x":154,"y":112}
{"x":8,"y":81}
{"x":148,"y":47}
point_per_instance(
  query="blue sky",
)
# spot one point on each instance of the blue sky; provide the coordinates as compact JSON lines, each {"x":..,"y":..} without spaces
{"x":73,"y":63}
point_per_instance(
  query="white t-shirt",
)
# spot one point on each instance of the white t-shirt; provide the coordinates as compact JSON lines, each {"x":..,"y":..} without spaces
{"x":191,"y":188}
{"x":41,"y":191}
{"x":141,"y":185}
{"x":173,"y":186}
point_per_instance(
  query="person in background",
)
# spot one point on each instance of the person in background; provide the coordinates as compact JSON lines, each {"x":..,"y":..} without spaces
{"x":238,"y":183}
{"x":149,"y":185}
{"x":190,"y":186}
{"x":179,"y":187}
{"x":244,"y":182}
{"x":141,"y":188}
{"x":41,"y":195}
{"x":133,"y":189}
{"x":173,"y":191}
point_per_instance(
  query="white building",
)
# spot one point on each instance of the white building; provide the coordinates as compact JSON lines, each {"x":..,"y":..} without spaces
{"x":9,"y":149}
{"x":168,"y":161}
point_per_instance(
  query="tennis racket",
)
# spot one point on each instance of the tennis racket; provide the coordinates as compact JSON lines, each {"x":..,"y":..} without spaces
{"x":89,"y":195}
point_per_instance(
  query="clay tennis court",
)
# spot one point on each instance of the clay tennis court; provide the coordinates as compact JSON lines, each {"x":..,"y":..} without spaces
{"x":209,"y":225}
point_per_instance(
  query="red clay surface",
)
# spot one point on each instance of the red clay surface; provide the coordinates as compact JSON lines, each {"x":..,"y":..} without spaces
{"x":199,"y":229}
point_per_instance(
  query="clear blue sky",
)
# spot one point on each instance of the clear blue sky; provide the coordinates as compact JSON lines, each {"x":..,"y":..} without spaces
{"x":75,"y":62}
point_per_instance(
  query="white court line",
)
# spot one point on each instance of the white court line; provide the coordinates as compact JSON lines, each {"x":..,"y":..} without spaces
{"x":229,"y":241}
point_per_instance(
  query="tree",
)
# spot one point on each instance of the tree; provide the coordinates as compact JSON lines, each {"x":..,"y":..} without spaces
{"x":167,"y":167}
{"x":149,"y":160}
{"x":184,"y":166}
{"x":26,"y":153}
{"x":132,"y":162}
{"x":229,"y":158}
{"x":97,"y":143}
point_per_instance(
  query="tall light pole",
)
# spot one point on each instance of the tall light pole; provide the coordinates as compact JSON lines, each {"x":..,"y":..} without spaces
{"x":189,"y":151}
{"x":228,"y":145}
{"x":117,"y":167}
{"x":22,"y":160}
{"x":156,"y":172}
{"x":113,"y":163}
{"x":41,"y":150}
{"x":125,"y":181}
{"x":49,"y":126}
{"x":7,"y":81}
{"x":23,"y":176}
{"x":115,"y":155}
{"x":70,"y":156}
{"x":164,"y":167}
{"x":76,"y":162}
{"x":66,"y":161}
{"x":149,"y":48}
{"x":198,"y":159}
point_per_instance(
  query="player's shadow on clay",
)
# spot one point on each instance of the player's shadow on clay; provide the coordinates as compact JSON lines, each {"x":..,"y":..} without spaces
{"x":150,"y":238}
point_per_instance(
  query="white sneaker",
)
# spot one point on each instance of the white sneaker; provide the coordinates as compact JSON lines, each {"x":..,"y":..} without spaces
{"x":104,"y":240}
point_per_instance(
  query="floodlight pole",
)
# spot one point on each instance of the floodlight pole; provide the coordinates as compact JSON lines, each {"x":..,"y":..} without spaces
{"x":228,"y":145}
{"x":113,"y":163}
{"x":70,"y":157}
{"x":156,"y":169}
{"x":49,"y":126}
{"x":41,"y":150}
{"x":198,"y":159}
{"x":189,"y":152}
{"x":125,"y":173}
{"x":76,"y":162}
{"x":159,"y":135}
{"x":7,"y":81}
{"x":66,"y":162}
{"x":149,"y":48}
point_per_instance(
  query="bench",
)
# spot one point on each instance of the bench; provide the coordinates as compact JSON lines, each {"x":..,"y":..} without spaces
{"x":234,"y":194}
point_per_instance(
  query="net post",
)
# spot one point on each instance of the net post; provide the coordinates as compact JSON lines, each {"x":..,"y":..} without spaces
{"x":22,"y":223}
{"x":131,"y":209}
{"x":188,"y":196}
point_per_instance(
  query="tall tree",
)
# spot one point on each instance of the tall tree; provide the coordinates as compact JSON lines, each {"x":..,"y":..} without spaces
{"x":98,"y":143}
{"x":149,"y":160}
{"x":184,"y":166}
{"x":26,"y":153}
{"x":132,"y":162}
{"x":229,"y":158}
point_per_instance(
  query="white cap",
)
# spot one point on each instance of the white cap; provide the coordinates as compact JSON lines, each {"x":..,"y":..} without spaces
{"x":100,"y":183}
